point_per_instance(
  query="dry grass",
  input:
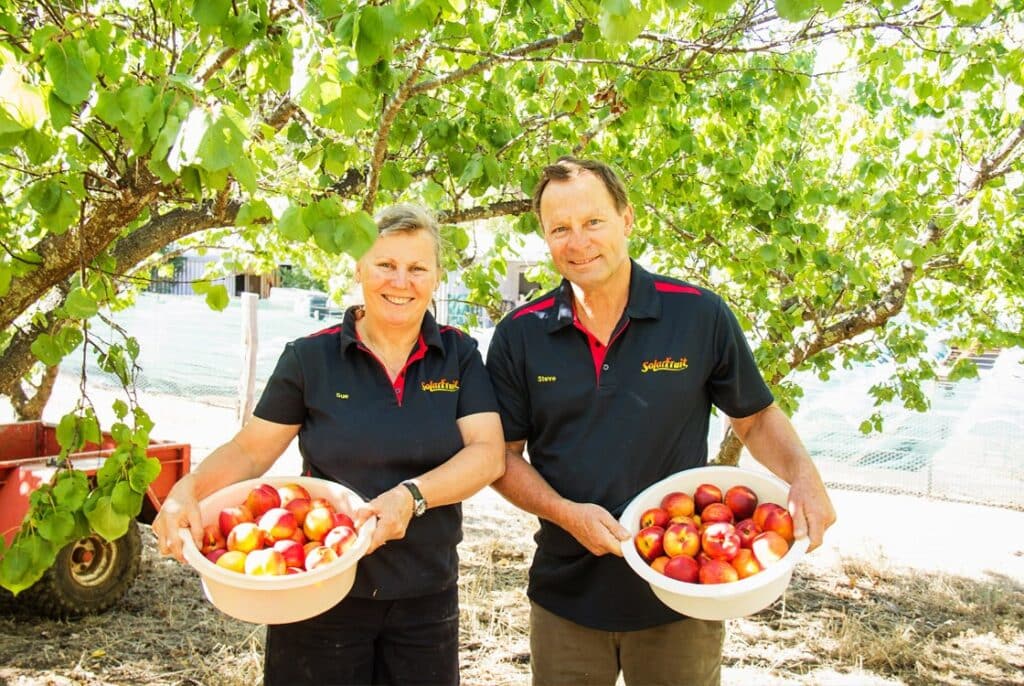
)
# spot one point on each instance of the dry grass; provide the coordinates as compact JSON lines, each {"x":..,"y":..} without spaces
{"x":862,"y":622}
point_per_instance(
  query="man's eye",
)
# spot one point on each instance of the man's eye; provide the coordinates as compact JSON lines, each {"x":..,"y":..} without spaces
{"x":594,"y":222}
{"x":560,"y":229}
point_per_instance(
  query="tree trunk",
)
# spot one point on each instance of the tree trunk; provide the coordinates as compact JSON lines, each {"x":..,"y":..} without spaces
{"x":28,"y":408}
{"x":729,"y":449}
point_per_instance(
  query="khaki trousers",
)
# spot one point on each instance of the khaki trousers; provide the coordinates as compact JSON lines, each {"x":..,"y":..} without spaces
{"x":563,"y":653}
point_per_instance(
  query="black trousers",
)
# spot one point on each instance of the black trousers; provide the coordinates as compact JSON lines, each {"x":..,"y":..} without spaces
{"x":407,"y":642}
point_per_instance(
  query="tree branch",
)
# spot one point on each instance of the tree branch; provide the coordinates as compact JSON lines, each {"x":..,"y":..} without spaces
{"x":573,"y":36}
{"x":380,"y":146}
{"x":61,"y":253}
{"x":497,"y":209}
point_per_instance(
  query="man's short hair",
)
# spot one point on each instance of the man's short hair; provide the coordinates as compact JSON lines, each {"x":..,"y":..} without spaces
{"x":566,"y":167}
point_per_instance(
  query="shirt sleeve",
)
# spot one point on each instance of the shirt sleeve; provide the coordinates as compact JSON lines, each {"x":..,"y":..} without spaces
{"x":475,"y":391}
{"x":736,"y":384}
{"x":513,"y":399}
{"x":282,"y":401}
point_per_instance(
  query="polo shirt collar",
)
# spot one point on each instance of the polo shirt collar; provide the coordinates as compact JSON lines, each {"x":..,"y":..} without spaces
{"x":430,"y":332}
{"x":643,"y":301}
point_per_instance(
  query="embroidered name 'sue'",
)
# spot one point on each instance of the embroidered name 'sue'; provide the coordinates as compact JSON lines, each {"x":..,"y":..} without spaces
{"x":666,"y":365}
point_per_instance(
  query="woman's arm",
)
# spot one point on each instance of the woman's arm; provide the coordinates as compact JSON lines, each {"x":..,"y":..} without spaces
{"x":481,"y":461}
{"x":249,"y":454}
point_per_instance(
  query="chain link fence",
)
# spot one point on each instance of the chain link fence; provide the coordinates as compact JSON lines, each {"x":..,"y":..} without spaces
{"x":966,"y":448}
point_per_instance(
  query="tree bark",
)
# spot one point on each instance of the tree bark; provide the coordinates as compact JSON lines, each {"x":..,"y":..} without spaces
{"x":29,"y":408}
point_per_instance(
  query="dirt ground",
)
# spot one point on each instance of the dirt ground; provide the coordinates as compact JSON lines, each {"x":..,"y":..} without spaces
{"x":855,"y":612}
{"x":904,"y":591}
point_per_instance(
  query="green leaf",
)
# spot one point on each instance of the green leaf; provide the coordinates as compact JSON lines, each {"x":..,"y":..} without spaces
{"x":44,"y":196}
{"x":217,"y":297}
{"x":71,"y":489}
{"x":80,"y":304}
{"x":794,"y":10}
{"x":211,"y":13}
{"x":971,"y":11}
{"x":245,"y":171}
{"x":143,"y":473}
{"x":57,"y":527}
{"x":22,"y":106}
{"x":125,"y":500}
{"x":68,"y":338}
{"x":292,"y":226}
{"x":106,"y":520}
{"x":46,"y":350}
{"x":60,"y":112}
{"x":718,"y":6}
{"x":91,"y":429}
{"x":252,"y":212}
{"x":70,"y":74}
{"x":39,"y":147}
{"x":6,"y":274}
{"x":359,"y":231}
{"x":221,"y":145}
{"x":120,"y":409}
{"x":620,"y":22}
{"x":69,"y":434}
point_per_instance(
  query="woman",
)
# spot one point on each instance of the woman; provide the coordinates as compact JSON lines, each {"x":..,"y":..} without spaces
{"x":400,"y":410}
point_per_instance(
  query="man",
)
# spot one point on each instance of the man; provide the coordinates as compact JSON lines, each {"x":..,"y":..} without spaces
{"x":569,"y":372}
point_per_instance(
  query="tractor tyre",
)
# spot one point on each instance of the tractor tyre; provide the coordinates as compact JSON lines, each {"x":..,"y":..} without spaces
{"x":89,"y":576}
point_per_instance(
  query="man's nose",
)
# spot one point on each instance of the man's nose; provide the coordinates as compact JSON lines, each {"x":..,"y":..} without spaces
{"x":401,"y":277}
{"x":578,"y":237}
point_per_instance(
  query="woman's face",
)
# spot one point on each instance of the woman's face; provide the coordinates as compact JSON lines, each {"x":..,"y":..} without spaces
{"x":398,"y":277}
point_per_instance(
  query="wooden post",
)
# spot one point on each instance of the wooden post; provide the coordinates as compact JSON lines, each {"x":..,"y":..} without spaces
{"x":250,"y":343}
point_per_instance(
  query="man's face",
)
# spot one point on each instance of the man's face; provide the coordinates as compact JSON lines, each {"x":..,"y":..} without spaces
{"x":584,"y":231}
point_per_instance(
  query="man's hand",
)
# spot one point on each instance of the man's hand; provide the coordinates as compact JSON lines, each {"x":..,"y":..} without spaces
{"x":810,"y":507}
{"x":595,"y":528}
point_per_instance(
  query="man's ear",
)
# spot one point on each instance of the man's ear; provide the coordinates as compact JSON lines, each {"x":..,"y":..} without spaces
{"x":627,"y":218}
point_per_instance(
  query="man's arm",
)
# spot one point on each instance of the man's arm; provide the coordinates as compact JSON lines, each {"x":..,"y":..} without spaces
{"x":590,"y":524}
{"x":772,"y":440}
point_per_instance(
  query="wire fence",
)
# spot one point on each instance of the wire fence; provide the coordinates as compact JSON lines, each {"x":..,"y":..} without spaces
{"x":967,"y":447}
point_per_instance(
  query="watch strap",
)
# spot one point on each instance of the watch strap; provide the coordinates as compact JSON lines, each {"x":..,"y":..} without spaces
{"x":419,"y":503}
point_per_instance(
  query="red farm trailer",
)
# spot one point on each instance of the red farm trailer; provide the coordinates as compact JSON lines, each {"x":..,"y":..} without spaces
{"x":90,"y":574}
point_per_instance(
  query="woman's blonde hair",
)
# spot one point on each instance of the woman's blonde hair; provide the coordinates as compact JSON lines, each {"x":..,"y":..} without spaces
{"x":406,"y":218}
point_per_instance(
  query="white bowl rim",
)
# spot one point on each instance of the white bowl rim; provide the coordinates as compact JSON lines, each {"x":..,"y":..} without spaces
{"x":759,"y":580}
{"x":225,"y":576}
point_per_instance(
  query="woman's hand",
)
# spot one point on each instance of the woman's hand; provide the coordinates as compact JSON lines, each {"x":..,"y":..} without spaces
{"x":393,"y":510}
{"x":179,"y":511}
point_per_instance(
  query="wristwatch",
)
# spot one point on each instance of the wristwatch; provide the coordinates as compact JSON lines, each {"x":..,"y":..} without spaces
{"x":419,"y":504}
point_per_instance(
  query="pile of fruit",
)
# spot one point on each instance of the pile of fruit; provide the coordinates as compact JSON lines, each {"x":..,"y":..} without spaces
{"x":711,"y":538}
{"x":278,"y":531}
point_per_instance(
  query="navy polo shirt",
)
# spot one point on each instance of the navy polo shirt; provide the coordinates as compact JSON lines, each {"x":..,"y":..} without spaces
{"x":602,"y":423}
{"x":363,"y":431}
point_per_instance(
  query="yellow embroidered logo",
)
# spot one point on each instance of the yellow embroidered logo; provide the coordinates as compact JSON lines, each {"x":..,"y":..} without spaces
{"x":341,"y":396}
{"x":442,"y":386}
{"x":666,"y":365}
{"x":547,"y":379}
